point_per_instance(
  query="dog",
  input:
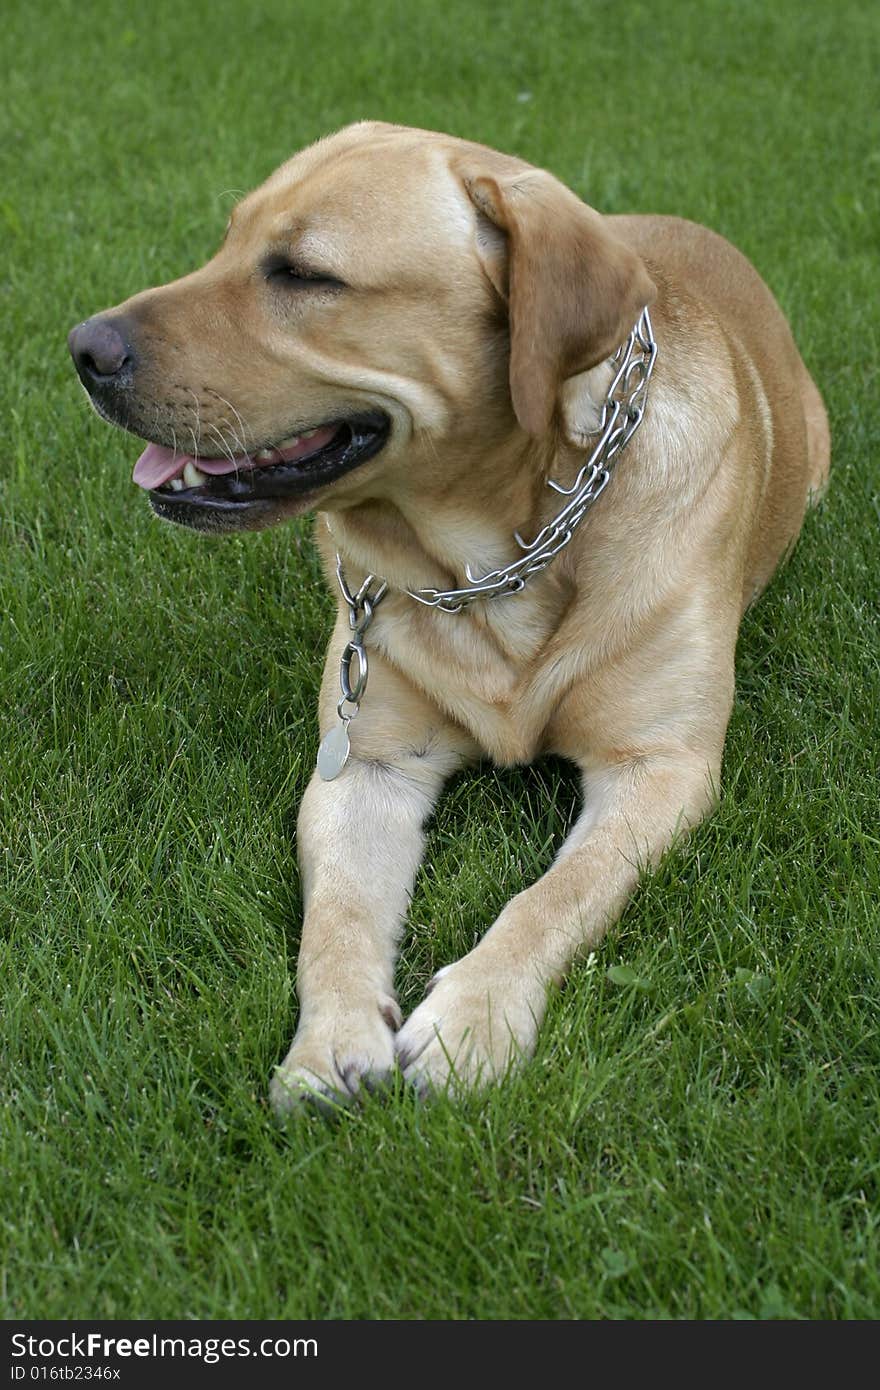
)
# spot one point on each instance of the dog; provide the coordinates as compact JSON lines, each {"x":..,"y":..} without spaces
{"x":554,"y":455}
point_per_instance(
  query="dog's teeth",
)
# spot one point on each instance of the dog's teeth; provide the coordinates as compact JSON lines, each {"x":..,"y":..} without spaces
{"x":177,"y":485}
{"x":192,"y":476}
{"x":269,"y":455}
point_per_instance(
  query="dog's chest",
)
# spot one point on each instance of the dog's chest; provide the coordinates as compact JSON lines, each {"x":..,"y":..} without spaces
{"x":482,"y":671}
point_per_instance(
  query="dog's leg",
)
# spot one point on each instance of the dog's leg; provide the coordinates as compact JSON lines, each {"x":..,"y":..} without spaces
{"x":482,"y":1014}
{"x":360,"y":841}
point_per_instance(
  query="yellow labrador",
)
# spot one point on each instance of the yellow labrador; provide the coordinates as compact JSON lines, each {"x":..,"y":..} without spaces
{"x":416,"y":337}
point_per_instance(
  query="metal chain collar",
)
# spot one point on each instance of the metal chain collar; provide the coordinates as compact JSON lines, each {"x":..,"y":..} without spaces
{"x":335,"y":746}
{"x":622,"y":413}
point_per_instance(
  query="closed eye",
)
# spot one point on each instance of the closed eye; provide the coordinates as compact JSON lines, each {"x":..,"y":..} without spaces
{"x":281,"y":271}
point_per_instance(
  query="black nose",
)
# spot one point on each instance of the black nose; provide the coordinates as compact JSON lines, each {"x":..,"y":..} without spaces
{"x":101,"y":352}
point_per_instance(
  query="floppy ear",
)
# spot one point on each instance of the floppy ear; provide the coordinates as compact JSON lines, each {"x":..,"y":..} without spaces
{"x":573,"y":291}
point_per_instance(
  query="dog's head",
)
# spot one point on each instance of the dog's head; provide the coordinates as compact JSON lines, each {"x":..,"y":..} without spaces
{"x":389,"y":305}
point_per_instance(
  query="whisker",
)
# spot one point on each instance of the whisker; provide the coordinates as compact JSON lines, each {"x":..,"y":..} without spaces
{"x":198,"y":428}
{"x":227,"y":425}
{"x":224,"y":445}
{"x":239,"y":439}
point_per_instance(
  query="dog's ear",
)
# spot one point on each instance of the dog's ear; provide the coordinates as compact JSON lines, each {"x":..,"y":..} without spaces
{"x":573,"y":291}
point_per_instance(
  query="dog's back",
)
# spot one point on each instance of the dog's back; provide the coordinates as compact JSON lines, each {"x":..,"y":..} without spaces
{"x":700,"y":276}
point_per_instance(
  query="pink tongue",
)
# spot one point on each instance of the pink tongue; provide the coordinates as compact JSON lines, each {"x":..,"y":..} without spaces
{"x":158,"y":465}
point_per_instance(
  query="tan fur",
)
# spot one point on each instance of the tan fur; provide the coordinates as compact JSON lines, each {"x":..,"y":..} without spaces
{"x":484,"y":300}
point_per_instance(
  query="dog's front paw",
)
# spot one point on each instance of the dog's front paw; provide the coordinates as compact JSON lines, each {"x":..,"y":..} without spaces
{"x":334,"y":1056}
{"x":476,"y":1024}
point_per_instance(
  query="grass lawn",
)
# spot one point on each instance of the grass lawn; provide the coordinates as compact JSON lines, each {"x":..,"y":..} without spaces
{"x":699,"y":1135}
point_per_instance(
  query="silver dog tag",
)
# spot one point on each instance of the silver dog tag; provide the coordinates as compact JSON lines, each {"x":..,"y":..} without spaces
{"x":333,"y":752}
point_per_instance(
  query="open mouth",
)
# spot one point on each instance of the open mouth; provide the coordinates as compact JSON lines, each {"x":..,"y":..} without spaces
{"x":249,"y":490}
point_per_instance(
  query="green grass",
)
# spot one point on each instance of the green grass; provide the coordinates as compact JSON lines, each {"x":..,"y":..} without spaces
{"x":698,"y":1135}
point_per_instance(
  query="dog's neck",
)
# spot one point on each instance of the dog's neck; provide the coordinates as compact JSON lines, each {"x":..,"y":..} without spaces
{"x":423,"y":531}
